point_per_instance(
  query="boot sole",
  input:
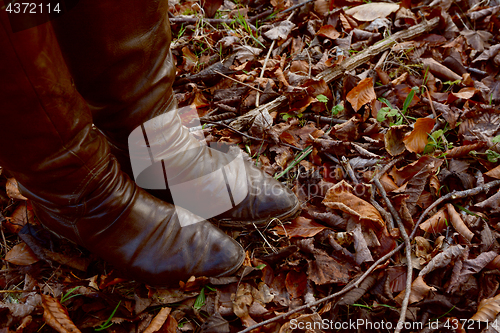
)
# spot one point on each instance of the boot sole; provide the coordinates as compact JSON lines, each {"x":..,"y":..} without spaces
{"x":262,"y":223}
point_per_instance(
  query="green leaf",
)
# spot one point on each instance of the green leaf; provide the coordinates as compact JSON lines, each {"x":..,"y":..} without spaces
{"x":382,"y":113}
{"x":393,"y":113}
{"x":492,"y":156}
{"x":385,"y":101}
{"x":337,"y":108}
{"x":261,"y":266}
{"x":496,"y":139}
{"x":437,"y":134}
{"x":200,"y":300}
{"x":408,"y":100}
{"x":322,"y":98}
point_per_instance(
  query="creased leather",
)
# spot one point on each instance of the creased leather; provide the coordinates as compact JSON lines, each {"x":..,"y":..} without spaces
{"x":77,"y":190}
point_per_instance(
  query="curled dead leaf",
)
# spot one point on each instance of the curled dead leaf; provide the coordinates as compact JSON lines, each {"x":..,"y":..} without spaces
{"x":56,"y":316}
{"x":340,"y":197}
{"x":419,"y":289}
{"x":437,"y":223}
{"x":362,"y":94}
{"x":418,"y":138}
{"x":12,"y":189}
{"x":494,"y":173}
{"x":458,"y":223}
{"x":158,"y":321}
{"x":488,"y":309}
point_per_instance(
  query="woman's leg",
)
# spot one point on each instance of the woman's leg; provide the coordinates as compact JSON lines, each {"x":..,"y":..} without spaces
{"x":63,"y":165}
{"x":118,"y":53}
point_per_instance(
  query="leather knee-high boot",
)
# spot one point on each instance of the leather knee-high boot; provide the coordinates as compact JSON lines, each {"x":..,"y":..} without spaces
{"x":118,"y":53}
{"x":77,"y":190}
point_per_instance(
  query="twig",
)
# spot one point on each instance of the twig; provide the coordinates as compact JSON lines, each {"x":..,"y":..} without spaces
{"x":263,"y":70}
{"x":394,"y":213}
{"x":296,"y":6}
{"x":251,"y":137}
{"x":245,"y":84}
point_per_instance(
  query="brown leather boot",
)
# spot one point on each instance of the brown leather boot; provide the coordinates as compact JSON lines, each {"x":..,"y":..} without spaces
{"x":123,"y":67}
{"x":75,"y":185}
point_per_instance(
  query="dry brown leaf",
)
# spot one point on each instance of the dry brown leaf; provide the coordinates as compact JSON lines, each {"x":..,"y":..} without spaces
{"x":442,"y":259}
{"x":371,"y":11}
{"x":440,"y":70}
{"x":466,"y":93}
{"x":464,"y":150}
{"x":494,"y":173}
{"x":437,"y":223}
{"x":299,"y":227}
{"x":418,"y":138}
{"x":419,"y":289}
{"x":158,"y":321}
{"x":56,"y":316}
{"x":393,"y":139}
{"x":328,"y":31}
{"x":21,"y":255}
{"x":362,"y":94}
{"x":458,"y":223}
{"x":12,"y":190}
{"x":340,"y":197}
{"x":488,"y":309}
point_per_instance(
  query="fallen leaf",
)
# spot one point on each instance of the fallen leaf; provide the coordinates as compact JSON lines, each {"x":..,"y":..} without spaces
{"x":21,"y":255}
{"x":362,"y":94}
{"x":299,"y":227}
{"x":419,"y":290}
{"x":419,"y":137}
{"x":281,"y":31}
{"x":488,"y":309}
{"x":494,"y":173}
{"x":371,"y":11}
{"x":458,"y":223}
{"x":56,"y":316}
{"x":437,"y":223}
{"x":158,"y":321}
{"x":340,"y":197}
{"x":328,"y":31}
{"x":466,"y":93}
{"x":442,"y":259}
{"x":12,"y":189}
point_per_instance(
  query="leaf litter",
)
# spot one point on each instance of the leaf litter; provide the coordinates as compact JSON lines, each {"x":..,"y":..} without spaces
{"x":375,"y":135}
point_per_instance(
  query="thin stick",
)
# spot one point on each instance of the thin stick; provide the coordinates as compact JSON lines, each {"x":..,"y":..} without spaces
{"x":245,"y":84}
{"x":263,"y":70}
{"x":249,"y":136}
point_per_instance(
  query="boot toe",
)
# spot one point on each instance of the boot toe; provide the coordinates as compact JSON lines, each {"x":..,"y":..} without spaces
{"x":267,"y":199}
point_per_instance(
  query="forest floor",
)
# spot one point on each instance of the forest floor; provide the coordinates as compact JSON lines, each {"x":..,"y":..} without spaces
{"x":383,"y":118}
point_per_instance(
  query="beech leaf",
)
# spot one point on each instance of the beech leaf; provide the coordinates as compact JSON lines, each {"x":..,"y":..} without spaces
{"x":418,"y":138}
{"x":158,"y":320}
{"x":362,"y":94}
{"x":458,"y":223}
{"x":21,"y":255}
{"x":488,"y":309}
{"x":56,"y":316}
